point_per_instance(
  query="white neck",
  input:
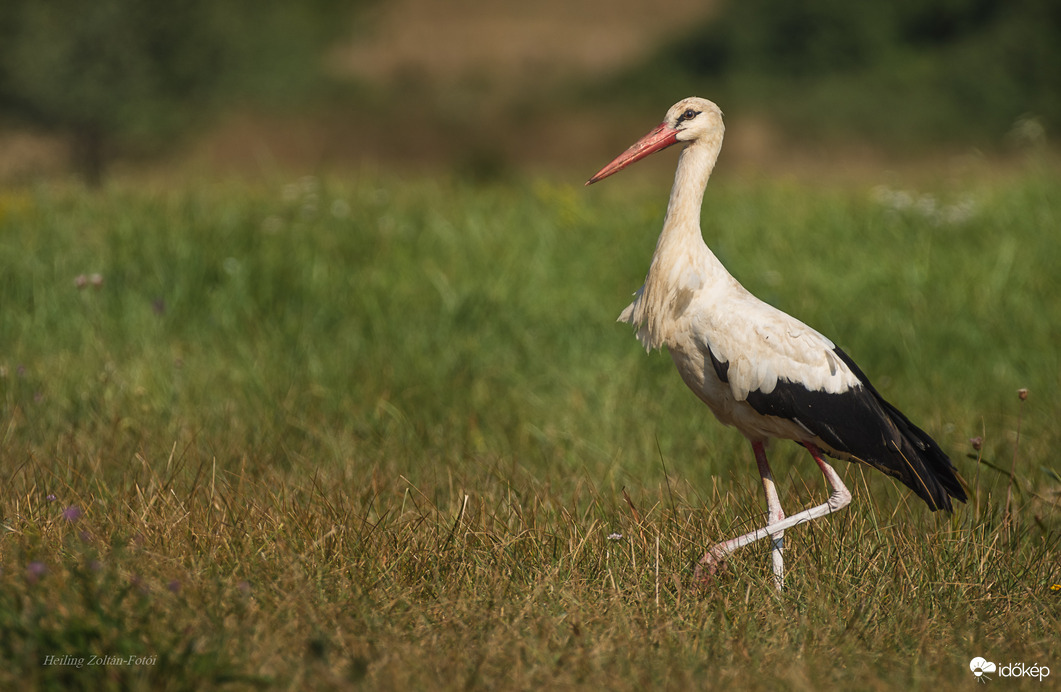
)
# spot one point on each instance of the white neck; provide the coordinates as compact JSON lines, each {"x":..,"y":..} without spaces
{"x":695,"y":165}
{"x":681,"y":227}
{"x":682,"y":263}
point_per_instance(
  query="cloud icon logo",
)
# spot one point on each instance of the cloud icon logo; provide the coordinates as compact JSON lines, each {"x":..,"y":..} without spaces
{"x":980,"y":665}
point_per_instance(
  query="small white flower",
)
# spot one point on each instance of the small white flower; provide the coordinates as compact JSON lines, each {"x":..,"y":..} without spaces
{"x":340,"y":209}
{"x":272,"y":224}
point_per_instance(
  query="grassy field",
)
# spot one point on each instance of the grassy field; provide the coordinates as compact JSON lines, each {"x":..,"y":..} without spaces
{"x":364,"y":432}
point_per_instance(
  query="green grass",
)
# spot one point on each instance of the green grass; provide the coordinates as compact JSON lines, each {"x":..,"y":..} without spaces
{"x":368,"y":432}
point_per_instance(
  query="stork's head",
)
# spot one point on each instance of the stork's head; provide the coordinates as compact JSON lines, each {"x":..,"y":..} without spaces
{"x":688,"y":120}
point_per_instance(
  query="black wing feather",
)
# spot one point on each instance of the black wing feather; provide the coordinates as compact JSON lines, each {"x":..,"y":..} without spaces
{"x":860,"y":424}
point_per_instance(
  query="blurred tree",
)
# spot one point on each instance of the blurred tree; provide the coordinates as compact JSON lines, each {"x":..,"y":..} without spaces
{"x":915,"y":70}
{"x":114,"y":72}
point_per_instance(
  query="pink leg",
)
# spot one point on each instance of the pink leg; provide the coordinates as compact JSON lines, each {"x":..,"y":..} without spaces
{"x":774,"y":513}
{"x":777,"y":523}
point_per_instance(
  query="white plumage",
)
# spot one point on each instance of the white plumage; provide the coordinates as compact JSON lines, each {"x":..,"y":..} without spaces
{"x":758,"y":368}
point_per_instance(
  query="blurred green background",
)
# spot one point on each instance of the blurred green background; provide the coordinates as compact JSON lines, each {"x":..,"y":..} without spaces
{"x":315,"y":382}
{"x":488,"y":88}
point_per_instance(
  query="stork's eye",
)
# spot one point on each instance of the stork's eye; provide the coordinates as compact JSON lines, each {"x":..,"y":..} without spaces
{"x":688,"y":115}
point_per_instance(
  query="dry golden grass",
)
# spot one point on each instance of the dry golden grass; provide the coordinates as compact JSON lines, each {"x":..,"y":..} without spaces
{"x":350,"y":433}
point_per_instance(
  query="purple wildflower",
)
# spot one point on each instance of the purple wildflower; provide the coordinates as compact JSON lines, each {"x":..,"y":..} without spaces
{"x":35,"y":570}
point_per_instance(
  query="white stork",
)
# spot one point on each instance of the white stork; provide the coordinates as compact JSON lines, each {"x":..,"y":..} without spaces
{"x":757,"y":368}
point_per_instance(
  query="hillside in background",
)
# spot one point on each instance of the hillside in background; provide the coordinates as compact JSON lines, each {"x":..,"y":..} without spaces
{"x":490,"y":89}
{"x":907,"y":73}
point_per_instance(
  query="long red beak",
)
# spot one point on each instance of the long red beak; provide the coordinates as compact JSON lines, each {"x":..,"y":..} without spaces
{"x":660,"y":138}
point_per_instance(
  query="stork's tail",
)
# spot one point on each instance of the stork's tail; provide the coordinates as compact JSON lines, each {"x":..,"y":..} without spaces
{"x":908,"y":453}
{"x":921,"y":464}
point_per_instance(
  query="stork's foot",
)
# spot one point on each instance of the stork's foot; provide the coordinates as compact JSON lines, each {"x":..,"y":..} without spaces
{"x":713,"y":561}
{"x":709,"y":569}
{"x":713,"y":564}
